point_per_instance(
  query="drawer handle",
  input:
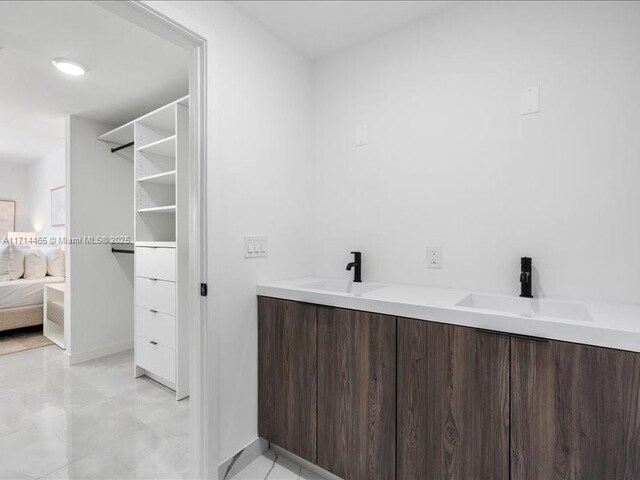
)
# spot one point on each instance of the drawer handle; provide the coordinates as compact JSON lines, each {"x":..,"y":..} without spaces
{"x":153,"y":342}
{"x":491,"y":332}
{"x":513,"y":335}
{"x":153,"y":311}
{"x":153,"y":279}
{"x":529,"y":338}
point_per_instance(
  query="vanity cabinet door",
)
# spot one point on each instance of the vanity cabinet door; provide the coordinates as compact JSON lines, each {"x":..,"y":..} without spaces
{"x":453,"y":403}
{"x":356,"y":394}
{"x":287,"y":380}
{"x":575,"y":412}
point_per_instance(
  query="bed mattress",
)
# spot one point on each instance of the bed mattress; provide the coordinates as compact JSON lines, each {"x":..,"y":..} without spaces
{"x":22,"y":293}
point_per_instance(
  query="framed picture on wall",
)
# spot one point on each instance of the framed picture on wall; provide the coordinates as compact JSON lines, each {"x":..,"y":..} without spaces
{"x":57,"y":206}
{"x":7,"y":217}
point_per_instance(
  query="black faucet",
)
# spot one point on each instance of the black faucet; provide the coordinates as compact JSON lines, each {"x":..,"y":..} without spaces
{"x":357,"y":264}
{"x":525,"y":277}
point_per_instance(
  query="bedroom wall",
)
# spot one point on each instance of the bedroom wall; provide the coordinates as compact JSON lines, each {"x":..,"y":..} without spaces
{"x":45,"y":174}
{"x":99,"y":283}
{"x":14,"y":185}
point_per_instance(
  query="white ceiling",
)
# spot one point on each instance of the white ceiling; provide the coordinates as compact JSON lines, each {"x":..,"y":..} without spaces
{"x":130,"y":72}
{"x":320,"y":28}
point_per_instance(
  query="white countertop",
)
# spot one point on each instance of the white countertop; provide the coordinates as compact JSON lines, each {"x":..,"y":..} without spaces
{"x":613,"y":325}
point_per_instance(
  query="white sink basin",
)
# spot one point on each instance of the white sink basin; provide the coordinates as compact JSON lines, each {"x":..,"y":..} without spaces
{"x":528,"y":307}
{"x":341,"y":286}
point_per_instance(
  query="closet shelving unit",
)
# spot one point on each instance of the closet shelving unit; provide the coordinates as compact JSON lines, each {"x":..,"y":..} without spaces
{"x":157,"y":143}
{"x":118,"y":138}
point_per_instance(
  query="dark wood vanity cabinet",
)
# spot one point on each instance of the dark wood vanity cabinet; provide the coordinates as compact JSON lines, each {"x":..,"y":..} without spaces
{"x":575,"y":412}
{"x":328,"y":375}
{"x":374,"y":397}
{"x":356,"y":394}
{"x":453,"y":403}
{"x":287,"y":381}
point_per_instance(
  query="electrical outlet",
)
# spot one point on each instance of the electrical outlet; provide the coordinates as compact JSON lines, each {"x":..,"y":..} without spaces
{"x":255,"y":246}
{"x":530,"y":100}
{"x":434,"y":257}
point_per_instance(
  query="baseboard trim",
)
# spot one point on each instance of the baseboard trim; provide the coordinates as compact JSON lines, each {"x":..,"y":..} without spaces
{"x":241,"y":459}
{"x":75,"y":358}
{"x":312,"y":467}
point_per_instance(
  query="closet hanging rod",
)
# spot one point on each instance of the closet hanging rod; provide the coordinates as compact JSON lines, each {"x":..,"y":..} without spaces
{"x":119,"y":250}
{"x":126,"y":145}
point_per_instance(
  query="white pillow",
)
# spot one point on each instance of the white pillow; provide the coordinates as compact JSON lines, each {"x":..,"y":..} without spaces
{"x":35,"y":264}
{"x":11,"y":262}
{"x":55,"y":261}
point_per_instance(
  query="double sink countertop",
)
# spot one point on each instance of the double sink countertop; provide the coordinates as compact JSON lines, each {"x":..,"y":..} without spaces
{"x":613,"y":325}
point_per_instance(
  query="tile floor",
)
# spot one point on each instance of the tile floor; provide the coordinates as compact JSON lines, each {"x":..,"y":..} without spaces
{"x":92,"y":420}
{"x":271,"y":466}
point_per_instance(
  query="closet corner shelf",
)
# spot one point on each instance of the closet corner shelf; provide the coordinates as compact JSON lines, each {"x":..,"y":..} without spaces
{"x":119,"y":136}
{"x":165,"y":147}
{"x":160,"y":244}
{"x":165,"y":209}
{"x":164,"y":178}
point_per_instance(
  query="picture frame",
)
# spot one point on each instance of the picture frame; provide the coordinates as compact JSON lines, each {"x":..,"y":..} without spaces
{"x":7,"y":217}
{"x":58,"y":206}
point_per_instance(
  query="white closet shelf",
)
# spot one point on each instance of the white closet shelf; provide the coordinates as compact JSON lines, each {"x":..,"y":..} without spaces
{"x":165,"y":209}
{"x":164,"y":178}
{"x":164,"y":118}
{"x":156,"y":244}
{"x":165,"y":147}
{"x":119,"y":136}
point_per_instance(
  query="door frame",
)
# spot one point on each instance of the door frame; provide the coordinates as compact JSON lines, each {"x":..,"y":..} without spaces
{"x":203,"y":402}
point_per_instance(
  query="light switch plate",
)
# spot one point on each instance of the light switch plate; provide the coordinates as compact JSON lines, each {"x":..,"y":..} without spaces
{"x":255,"y":246}
{"x":361,"y":135}
{"x":530,"y":100}
{"x":434,"y":257}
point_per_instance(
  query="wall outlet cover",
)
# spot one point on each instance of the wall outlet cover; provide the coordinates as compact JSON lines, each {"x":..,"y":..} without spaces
{"x":434,"y":257}
{"x":530,"y":100}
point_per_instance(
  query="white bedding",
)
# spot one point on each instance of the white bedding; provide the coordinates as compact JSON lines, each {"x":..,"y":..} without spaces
{"x":22,"y":293}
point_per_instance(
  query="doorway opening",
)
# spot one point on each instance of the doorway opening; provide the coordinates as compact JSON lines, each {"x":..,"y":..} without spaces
{"x":119,"y":352}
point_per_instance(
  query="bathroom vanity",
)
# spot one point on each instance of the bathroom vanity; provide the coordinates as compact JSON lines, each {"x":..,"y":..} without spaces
{"x":352,"y":383}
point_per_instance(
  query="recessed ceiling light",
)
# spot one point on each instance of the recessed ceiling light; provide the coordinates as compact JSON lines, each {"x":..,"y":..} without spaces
{"x":68,"y":66}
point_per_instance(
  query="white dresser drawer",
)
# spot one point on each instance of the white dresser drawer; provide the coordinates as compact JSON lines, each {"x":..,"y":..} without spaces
{"x":157,"y":359}
{"x":156,"y":295}
{"x":157,"y":326}
{"x":156,"y":263}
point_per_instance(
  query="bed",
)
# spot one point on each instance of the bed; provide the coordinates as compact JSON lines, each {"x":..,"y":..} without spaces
{"x":21,"y":302}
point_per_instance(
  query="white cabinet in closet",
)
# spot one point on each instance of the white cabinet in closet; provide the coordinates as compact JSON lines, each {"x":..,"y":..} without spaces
{"x":160,"y":165}
{"x":156,"y":323}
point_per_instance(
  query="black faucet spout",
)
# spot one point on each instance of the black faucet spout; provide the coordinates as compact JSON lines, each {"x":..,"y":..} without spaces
{"x":356,"y":265}
{"x":525,"y":277}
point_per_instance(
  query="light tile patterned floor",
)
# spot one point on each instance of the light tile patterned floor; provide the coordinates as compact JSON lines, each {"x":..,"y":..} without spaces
{"x":271,"y":466}
{"x":92,"y":420}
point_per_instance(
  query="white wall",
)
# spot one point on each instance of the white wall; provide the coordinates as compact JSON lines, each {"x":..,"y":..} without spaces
{"x":451,"y":162}
{"x":14,"y":185}
{"x":45,"y":174}
{"x":259,"y":139}
{"x":100,"y":283}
